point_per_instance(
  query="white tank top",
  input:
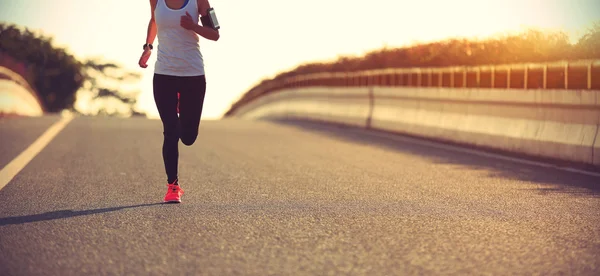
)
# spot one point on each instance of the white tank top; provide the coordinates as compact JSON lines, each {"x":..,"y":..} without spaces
{"x":178,"y":48}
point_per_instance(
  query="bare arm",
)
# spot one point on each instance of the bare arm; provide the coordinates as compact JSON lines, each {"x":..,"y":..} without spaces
{"x":205,"y":32}
{"x":151,"y":35}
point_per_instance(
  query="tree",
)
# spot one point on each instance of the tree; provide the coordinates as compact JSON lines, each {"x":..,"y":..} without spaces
{"x":588,"y":46}
{"x":56,"y":75}
{"x":105,"y":82}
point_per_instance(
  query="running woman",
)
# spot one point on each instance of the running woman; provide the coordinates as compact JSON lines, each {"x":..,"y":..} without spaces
{"x":179,"y":82}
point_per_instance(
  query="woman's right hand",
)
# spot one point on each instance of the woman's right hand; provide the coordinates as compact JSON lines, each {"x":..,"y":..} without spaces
{"x":144,"y":58}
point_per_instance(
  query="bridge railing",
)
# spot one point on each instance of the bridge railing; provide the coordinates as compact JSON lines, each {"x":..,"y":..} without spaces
{"x":548,"y":110}
{"x":569,"y":75}
{"x":582,"y":74}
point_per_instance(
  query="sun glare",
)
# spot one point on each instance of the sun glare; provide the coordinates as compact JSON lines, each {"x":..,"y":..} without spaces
{"x":262,"y":38}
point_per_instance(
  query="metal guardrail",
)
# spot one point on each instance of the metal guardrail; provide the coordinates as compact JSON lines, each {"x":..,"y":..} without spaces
{"x":581,"y":74}
{"x":574,"y":75}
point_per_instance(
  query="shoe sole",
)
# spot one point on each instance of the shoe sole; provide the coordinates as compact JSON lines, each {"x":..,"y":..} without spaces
{"x":172,"y":201}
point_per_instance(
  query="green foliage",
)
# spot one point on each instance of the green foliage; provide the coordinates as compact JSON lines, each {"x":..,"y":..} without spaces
{"x":530,"y":46}
{"x":55,"y":74}
{"x":589,"y":44}
{"x":102,"y":72}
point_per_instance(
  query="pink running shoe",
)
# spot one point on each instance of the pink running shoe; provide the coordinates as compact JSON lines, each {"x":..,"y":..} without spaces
{"x":173,"y":193}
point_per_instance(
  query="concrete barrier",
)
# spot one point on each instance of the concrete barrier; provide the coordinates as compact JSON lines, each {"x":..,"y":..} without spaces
{"x":550,"y":110}
{"x":17,"y":100}
{"x":350,"y":106}
{"x":16,"y":95}
{"x":558,"y":124}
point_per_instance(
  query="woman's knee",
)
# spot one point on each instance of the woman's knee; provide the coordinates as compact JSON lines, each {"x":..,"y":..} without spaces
{"x":188,"y":139}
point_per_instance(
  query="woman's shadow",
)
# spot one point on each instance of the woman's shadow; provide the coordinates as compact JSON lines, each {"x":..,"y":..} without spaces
{"x":66,"y":214}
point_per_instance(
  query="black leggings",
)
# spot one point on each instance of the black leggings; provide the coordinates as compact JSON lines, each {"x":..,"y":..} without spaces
{"x":185,"y":126}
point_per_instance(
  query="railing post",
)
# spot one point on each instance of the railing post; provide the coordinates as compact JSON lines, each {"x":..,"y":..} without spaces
{"x":589,"y":75}
{"x":464,"y":70}
{"x":508,"y":76}
{"x":402,"y":82}
{"x":440,"y":77}
{"x":418,"y":77}
{"x":401,"y":79}
{"x":493,"y":76}
{"x":526,"y":74}
{"x":545,"y":77}
{"x":349,"y":79}
{"x":567,"y":75}
{"x":409,"y":79}
{"x":478,"y":76}
{"x":452,"y":71}
{"x":429,"y":76}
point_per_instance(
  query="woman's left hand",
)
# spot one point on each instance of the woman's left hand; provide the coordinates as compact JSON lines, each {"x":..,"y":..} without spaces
{"x":187,"y":22}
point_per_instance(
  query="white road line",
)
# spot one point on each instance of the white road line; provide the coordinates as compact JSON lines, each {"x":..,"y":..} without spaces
{"x":482,"y":153}
{"x":14,"y":167}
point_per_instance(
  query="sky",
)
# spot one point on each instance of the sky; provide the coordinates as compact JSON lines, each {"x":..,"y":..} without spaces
{"x":261,"y":38}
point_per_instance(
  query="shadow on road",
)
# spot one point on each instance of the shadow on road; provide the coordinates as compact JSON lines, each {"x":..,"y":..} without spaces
{"x":551,"y":180}
{"x":66,"y":214}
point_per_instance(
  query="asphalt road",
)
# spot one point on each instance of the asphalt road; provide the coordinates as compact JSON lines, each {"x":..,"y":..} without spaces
{"x":266,"y":198}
